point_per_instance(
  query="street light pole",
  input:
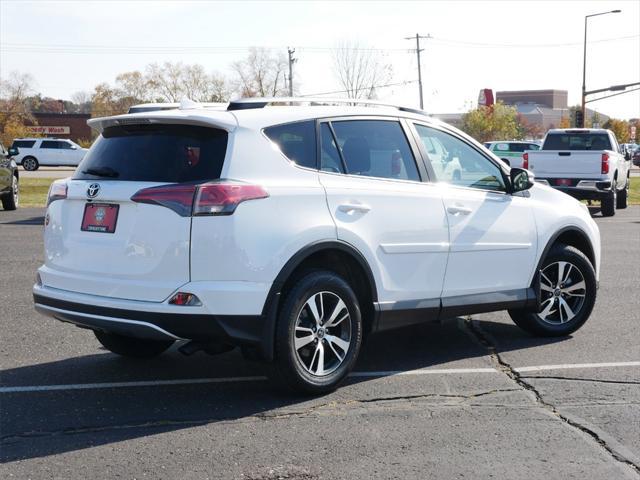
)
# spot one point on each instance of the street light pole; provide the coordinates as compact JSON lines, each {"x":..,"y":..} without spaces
{"x":584,"y":63}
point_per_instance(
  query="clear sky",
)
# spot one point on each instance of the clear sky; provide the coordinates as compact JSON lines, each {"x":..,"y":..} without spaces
{"x":505,"y":45}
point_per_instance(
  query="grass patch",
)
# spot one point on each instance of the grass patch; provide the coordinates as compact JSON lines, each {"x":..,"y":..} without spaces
{"x":33,"y":191}
{"x":634,"y":191}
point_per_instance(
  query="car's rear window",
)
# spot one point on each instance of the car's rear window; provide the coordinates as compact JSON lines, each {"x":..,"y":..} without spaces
{"x":577,"y":141}
{"x":23,"y":143}
{"x":155,"y":153}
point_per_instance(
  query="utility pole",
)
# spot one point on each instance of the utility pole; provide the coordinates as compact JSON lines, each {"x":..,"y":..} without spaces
{"x":418,"y":50}
{"x":291,"y":62}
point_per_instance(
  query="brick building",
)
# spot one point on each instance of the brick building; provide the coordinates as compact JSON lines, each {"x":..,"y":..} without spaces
{"x":63,"y":125}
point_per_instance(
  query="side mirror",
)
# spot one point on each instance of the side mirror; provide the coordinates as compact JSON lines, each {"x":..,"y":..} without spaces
{"x":73,"y":147}
{"x":521,"y":180}
{"x":13,"y":151}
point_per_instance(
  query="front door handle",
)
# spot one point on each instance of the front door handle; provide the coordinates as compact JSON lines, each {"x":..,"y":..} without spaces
{"x":354,"y":207}
{"x":458,"y":210}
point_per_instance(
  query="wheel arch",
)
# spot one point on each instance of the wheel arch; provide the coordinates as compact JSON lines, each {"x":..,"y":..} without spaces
{"x":334,"y":255}
{"x":574,"y":237}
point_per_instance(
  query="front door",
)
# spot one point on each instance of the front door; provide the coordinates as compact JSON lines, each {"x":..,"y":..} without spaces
{"x":492,"y":234}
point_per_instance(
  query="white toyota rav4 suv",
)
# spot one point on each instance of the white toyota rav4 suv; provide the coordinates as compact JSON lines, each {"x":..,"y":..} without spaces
{"x":294,"y":231}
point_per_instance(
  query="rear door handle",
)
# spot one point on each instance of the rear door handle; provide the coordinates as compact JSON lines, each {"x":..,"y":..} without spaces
{"x":458,"y":210}
{"x":354,"y":207}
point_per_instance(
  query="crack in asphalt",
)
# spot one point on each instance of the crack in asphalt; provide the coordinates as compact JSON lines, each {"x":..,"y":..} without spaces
{"x":481,"y":338}
{"x":16,"y":437}
{"x":575,"y":379}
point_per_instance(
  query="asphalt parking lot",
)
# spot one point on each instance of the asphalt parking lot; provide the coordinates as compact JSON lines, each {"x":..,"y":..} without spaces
{"x":465,"y":398}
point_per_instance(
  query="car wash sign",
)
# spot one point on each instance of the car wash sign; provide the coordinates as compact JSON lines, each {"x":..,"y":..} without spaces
{"x":50,"y":130}
{"x":485,"y":97}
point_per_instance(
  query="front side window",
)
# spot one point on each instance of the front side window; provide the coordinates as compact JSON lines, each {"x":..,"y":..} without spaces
{"x":457,"y":163}
{"x":64,"y":145}
{"x":297,"y":141}
{"x":375,"y":148}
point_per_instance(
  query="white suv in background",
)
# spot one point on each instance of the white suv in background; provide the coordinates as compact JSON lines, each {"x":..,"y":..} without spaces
{"x":52,"y":152}
{"x":292,"y":232}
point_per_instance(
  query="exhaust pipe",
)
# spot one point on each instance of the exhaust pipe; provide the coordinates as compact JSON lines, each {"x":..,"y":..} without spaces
{"x":212,"y":348}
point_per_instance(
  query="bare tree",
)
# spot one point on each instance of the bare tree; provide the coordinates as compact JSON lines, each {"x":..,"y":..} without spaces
{"x":360,"y":69}
{"x":83,"y":101}
{"x":14,"y":109}
{"x":261,"y":74}
{"x":134,"y":85}
{"x":174,"y":81}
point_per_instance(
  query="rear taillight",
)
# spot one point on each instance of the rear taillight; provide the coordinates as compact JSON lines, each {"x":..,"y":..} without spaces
{"x":198,"y":200}
{"x":57,"y":191}
{"x":178,"y":198}
{"x":525,"y":160}
{"x":223,"y":198}
{"x":605,"y":163}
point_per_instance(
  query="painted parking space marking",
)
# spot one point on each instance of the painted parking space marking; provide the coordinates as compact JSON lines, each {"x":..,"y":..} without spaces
{"x":359,"y":374}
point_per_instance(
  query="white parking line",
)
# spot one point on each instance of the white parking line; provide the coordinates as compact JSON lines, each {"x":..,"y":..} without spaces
{"x":572,"y":366}
{"x":371,"y":374}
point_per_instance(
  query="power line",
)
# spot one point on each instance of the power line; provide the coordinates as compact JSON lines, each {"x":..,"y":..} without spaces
{"x":146,"y":49}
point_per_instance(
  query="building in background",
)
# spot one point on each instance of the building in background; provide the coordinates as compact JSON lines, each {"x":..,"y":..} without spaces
{"x":543,"y":108}
{"x":62,"y":125}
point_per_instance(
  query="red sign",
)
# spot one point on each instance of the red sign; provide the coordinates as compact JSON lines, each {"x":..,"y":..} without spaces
{"x":485,"y":97}
{"x":50,"y":130}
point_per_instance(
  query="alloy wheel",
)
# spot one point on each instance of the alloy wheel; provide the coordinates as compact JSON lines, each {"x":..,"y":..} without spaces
{"x":563,"y":290}
{"x":322,"y":334}
{"x":16,"y":191}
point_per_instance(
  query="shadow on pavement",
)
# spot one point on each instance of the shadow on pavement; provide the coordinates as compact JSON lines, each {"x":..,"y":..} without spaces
{"x":40,"y":424}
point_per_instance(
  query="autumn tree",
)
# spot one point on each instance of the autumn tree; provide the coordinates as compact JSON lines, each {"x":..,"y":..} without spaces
{"x":14,"y":110}
{"x":261,"y":74}
{"x":360,"y":69}
{"x":497,"y":122}
{"x":620,"y":128}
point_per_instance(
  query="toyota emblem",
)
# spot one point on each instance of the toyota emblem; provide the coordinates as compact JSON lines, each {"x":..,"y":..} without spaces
{"x":92,"y":191}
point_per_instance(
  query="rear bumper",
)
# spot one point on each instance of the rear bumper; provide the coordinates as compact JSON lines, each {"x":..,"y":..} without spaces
{"x":240,"y":330}
{"x":583,"y":190}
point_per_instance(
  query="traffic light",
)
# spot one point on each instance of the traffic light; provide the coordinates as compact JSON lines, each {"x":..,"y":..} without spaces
{"x":579,"y":119}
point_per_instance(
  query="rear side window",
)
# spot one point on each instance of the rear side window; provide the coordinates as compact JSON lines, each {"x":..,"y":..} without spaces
{"x":297,"y":141}
{"x":49,"y":144}
{"x":23,"y":143}
{"x":577,"y":141}
{"x":375,"y":148}
{"x":156,"y":153}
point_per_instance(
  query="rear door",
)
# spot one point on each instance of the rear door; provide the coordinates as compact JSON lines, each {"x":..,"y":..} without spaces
{"x":100,"y":241}
{"x":48,"y":153}
{"x":381,"y":206}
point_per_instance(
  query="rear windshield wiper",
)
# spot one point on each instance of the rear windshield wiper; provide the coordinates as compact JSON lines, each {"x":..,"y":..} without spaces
{"x":102,"y":172}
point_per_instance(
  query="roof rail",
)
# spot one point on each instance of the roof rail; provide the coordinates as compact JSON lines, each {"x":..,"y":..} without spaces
{"x":261,"y":102}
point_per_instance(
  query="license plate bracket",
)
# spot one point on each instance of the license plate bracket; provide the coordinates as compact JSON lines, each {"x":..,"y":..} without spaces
{"x":100,"y":217}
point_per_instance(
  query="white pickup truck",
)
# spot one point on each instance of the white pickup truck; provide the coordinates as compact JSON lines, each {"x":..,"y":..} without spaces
{"x":585,"y":163}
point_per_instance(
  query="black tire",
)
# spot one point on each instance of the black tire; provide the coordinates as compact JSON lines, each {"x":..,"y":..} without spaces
{"x":11,"y":200}
{"x":534,"y":323}
{"x":623,"y":196}
{"x":608,"y":204}
{"x":294,"y":368}
{"x":30,"y":164}
{"x":131,"y":347}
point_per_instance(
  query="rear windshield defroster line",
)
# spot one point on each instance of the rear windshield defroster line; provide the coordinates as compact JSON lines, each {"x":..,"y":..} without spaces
{"x":155,"y":153}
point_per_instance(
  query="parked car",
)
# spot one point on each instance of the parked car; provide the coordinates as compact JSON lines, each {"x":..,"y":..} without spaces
{"x":47,"y":151}
{"x":636,"y":158}
{"x":511,"y":152}
{"x":587,"y":164}
{"x":9,"y":179}
{"x":293,"y":232}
